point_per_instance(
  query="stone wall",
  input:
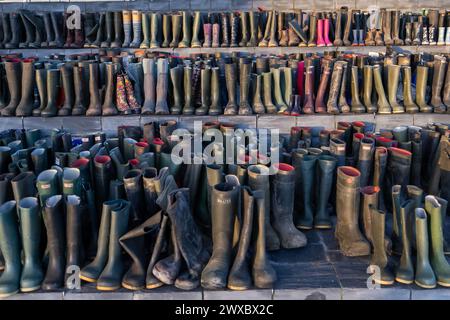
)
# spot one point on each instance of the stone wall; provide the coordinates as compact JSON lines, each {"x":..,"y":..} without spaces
{"x":222,"y":5}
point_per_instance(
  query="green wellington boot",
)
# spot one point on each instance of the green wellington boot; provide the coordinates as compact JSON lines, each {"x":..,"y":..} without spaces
{"x":25,"y":107}
{"x":205,"y":79}
{"x":195,"y":43}
{"x":111,"y":276}
{"x":405,"y":270}
{"x":382,"y":103}
{"x":421,"y":88}
{"x":408,"y":101}
{"x":10,"y":248}
{"x":326,"y":167}
{"x":188,"y":107}
{"x":230,"y":80}
{"x":154,"y":32}
{"x":379,"y":257}
{"x":187,"y":30}
{"x":23,"y":185}
{"x":368,"y":87}
{"x":244,"y":85}
{"x":176,"y":75}
{"x":393,"y":78}
{"x":74,"y":233}
{"x":53,"y":86}
{"x":441,"y":267}
{"x":48,"y":185}
{"x":30,"y":224}
{"x":56,"y":243}
{"x":92,"y":271}
{"x":425,"y":276}
{"x":224,"y":206}
{"x":356,"y":104}
{"x":351,"y":241}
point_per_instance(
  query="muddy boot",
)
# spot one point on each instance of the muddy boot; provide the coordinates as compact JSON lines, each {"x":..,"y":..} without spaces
{"x":14,"y":78}
{"x":166,"y":22}
{"x":53,"y":86}
{"x":259,"y":180}
{"x":195,"y":42}
{"x":351,"y":241}
{"x":379,"y":257}
{"x":67,"y":82}
{"x":149,"y":68}
{"x":95,"y":108}
{"x":336,"y":79}
{"x":25,"y":107}
{"x":187,"y":30}
{"x":382,"y":103}
{"x":230,"y":80}
{"x":162,"y":87}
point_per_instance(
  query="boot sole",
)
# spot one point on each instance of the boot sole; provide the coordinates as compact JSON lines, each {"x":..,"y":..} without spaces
{"x":383,"y":282}
{"x":84,"y":278}
{"x":154,"y":286}
{"x":404,"y":281}
{"x":424,"y":285}
{"x":101,"y":288}
{"x":323,"y":227}
{"x":5,"y":295}
{"x":30,"y":289}
{"x":235,"y":288}
{"x":130,"y":287}
{"x":304,"y":227}
{"x":443,"y":284}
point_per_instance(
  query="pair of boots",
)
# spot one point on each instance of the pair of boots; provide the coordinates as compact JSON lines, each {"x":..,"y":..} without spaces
{"x":210,"y":95}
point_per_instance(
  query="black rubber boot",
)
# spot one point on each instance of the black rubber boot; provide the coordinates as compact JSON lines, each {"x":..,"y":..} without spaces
{"x":326,"y":165}
{"x":69,"y":93}
{"x":397,"y":171}
{"x":405,"y":270}
{"x":23,"y":185}
{"x":54,"y":223}
{"x":135,"y":195}
{"x":14,"y":77}
{"x":304,"y":217}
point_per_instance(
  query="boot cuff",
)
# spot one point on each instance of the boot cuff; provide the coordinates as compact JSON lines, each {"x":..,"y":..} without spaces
{"x":400,"y":152}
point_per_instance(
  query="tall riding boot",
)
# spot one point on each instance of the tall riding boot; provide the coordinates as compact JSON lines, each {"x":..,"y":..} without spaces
{"x":161,"y":106}
{"x":195,"y":43}
{"x":335,"y":84}
{"x":215,"y":108}
{"x":188,"y":107}
{"x":368,"y":82}
{"x":268,"y":102}
{"x":225,"y":201}
{"x":187,"y":30}
{"x":56,"y":244}
{"x":95,"y":108}
{"x":14,"y":78}
{"x":176,"y":30}
{"x":109,"y":107}
{"x":67,"y":82}
{"x":230,"y":79}
{"x":382,"y":103}
{"x":118,"y":30}
{"x":424,"y":276}
{"x":145,"y":17}
{"x":326,"y":166}
{"x":379,"y":257}
{"x":53,"y":86}
{"x":149,"y":68}
{"x":30,"y":224}
{"x":351,"y":241}
{"x":109,"y":23}
{"x":244,"y":85}
{"x":438,"y":261}
{"x":439,"y":66}
{"x":307,"y":165}
{"x":356,"y":105}
{"x":111,"y":276}
{"x":166,"y":22}
{"x":10,"y":248}
{"x":205,"y":79}
{"x":393,"y":78}
{"x":258,"y":179}
{"x":25,"y":107}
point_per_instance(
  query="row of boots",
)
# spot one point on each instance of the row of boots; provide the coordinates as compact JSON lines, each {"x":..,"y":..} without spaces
{"x":136,"y":29}
{"x":238,"y":84}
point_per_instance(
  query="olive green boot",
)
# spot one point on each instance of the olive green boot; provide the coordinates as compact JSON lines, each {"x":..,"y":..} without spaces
{"x":405,"y":270}
{"x":425,"y":276}
{"x":408,"y":101}
{"x":383,"y":104}
{"x":421,"y":88}
{"x":205,"y":79}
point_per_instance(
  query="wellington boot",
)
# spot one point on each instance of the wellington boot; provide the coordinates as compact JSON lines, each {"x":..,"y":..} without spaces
{"x":188,"y":107}
{"x":145,"y":17}
{"x":278,"y":96}
{"x":54,"y":223}
{"x":166,"y":23}
{"x":356,"y":105}
{"x":244,"y":29}
{"x":351,"y":241}
{"x":74,"y":239}
{"x":205,"y":90}
{"x":41,"y":84}
{"x":382,"y":103}
{"x":268,"y":102}
{"x":23,"y":185}
{"x":48,"y":185}
{"x":308,"y":104}
{"x":95,"y":108}
{"x":195,"y":42}
{"x":424,"y":276}
{"x":320,"y":105}
{"x":135,"y":195}
{"x":187,"y":30}
{"x":370,"y":198}
{"x":149,"y":68}
{"x":393,"y":78}
{"x":396,"y":29}
{"x":118,"y":30}
{"x":379,"y":257}
{"x":258,"y":179}
{"x":408,"y":101}
{"x":441,"y":268}
{"x":335,"y":84}
{"x":254,"y":22}
{"x":151,"y":281}
{"x":25,"y":107}
{"x":134,"y":243}
{"x":283,"y":206}
{"x":13,"y":76}
{"x":387,"y":15}
{"x":421,"y":87}
{"x":111,"y":276}
{"x":53,"y":88}
{"x":240,"y":277}
{"x":80,"y":105}
{"x":365,"y":159}
{"x":312,"y":30}
{"x":304,"y":217}
{"x":338,"y":30}
{"x":224,"y":205}
{"x":102,"y":178}
{"x":446,"y":90}
{"x":109,"y":107}
{"x":10,"y":248}
{"x":348,"y":25}
{"x":267,"y":30}
{"x":161,"y":106}
{"x":176,"y":75}
{"x":439,"y":66}
{"x":258,"y":106}
{"x":273,"y":34}
{"x":154,"y":30}
{"x":67,"y":82}
{"x":405,"y":270}
{"x":207,"y":32}
{"x":176,"y":30}
{"x":327,"y":167}
{"x":6,"y":193}
{"x":71,"y":182}
{"x":30,"y":224}
{"x":230,"y":79}
{"x":244,"y":85}
{"x":397,"y":170}
{"x":189,"y":239}
{"x":137,"y":29}
{"x":109,"y":23}
{"x":215,"y":108}
{"x":368,"y":83}
{"x":30,"y":34}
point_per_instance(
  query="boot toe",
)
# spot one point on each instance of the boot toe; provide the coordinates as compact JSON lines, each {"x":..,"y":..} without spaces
{"x":294,"y":240}
{"x":187,"y":281}
{"x":152,"y":282}
{"x":108,"y":283}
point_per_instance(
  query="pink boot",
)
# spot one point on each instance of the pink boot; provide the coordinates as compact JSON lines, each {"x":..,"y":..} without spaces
{"x":326,"y":32}
{"x":320,"y":42}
